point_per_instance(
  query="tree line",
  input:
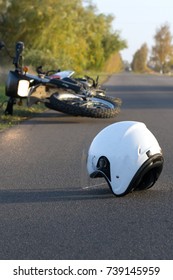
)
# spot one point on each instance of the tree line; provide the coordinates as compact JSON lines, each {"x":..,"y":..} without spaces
{"x":161,"y":56}
{"x":60,"y":33}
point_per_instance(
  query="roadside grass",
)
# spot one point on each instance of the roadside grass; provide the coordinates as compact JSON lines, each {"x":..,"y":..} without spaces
{"x":22,"y":112}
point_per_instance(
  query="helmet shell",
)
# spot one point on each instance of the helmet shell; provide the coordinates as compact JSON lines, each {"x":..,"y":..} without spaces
{"x":127,"y":146}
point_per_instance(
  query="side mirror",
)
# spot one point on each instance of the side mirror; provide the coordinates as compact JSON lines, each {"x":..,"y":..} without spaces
{"x":19,"y":50}
{"x":2,"y":45}
{"x":19,"y":47}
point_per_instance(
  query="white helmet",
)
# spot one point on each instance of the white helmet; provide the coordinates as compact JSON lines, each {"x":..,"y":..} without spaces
{"x":127,"y":155}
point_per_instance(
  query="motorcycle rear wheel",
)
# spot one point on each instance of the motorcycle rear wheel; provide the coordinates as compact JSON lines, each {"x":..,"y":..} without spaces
{"x":93,"y":107}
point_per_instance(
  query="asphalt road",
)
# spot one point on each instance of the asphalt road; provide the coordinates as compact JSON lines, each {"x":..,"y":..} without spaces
{"x":48,"y":208}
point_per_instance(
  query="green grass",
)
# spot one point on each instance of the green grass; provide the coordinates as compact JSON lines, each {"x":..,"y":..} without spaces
{"x":20,"y":113}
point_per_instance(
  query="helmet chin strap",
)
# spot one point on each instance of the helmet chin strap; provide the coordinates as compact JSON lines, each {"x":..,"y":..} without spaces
{"x":85,"y":181}
{"x":94,"y":186}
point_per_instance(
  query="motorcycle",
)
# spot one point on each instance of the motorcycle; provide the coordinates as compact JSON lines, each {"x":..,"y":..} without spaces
{"x":60,"y":91}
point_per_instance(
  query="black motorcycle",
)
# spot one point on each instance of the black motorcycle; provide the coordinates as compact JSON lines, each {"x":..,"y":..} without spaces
{"x":58,"y":91}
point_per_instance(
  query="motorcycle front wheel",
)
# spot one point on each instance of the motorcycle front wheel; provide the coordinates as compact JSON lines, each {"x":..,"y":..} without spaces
{"x":93,"y":107}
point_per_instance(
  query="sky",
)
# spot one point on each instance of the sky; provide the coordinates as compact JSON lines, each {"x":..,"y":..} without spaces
{"x":137,"y":21}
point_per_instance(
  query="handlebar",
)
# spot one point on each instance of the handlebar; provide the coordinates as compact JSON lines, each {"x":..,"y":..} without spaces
{"x":40,"y":71}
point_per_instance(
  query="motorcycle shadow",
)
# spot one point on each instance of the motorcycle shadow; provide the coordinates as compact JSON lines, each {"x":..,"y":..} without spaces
{"x":52,"y":117}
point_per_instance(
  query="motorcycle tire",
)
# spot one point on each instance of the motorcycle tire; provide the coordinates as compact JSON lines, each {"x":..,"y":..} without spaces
{"x":93,"y":107}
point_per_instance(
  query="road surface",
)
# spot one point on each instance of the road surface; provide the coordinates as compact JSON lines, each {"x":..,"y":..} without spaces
{"x":48,"y":207}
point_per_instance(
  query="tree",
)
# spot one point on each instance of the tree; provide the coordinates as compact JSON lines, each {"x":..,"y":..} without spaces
{"x":139,"y":63}
{"x":59,"y":33}
{"x":162,"y":51}
{"x":114,"y":64}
